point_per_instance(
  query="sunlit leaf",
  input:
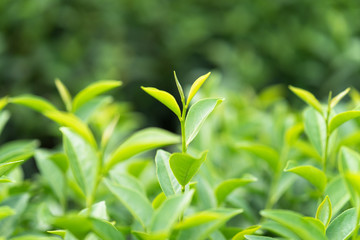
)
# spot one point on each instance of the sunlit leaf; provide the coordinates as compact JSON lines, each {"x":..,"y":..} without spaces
{"x":314,"y":175}
{"x":180,"y":89}
{"x":150,"y":236}
{"x":4,"y":117}
{"x":338,"y":97}
{"x":341,"y":118}
{"x":185,"y":166}
{"x":165,"y":98}
{"x":292,"y":134}
{"x":247,"y":231}
{"x":8,"y":166}
{"x":141,"y":141}
{"x":6,"y":211}
{"x":342,"y":226}
{"x":279,"y":229}
{"x":78,"y":225}
{"x":197,"y":116}
{"x":3,"y":102}
{"x":196,"y":86}
{"x":92,"y":91}
{"x":36,"y":103}
{"x":158,"y":200}
{"x":323,"y":212}
{"x":227,"y":186}
{"x":307,"y":97}
{"x":338,"y":194}
{"x":64,"y":94}
{"x":105,"y":230}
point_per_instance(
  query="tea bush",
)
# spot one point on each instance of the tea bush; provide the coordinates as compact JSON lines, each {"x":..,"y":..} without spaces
{"x":254,"y":169}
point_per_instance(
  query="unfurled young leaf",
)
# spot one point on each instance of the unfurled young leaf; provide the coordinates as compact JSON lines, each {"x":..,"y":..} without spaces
{"x":71,"y":121}
{"x":341,"y":118}
{"x":167,"y":180}
{"x":247,"y":231}
{"x":64,"y":94}
{"x":292,"y":134}
{"x":92,"y":91}
{"x":165,"y":98}
{"x":3,"y":102}
{"x":227,"y":186}
{"x":338,"y":194}
{"x":34,"y":102}
{"x":180,"y":89}
{"x":338,"y":97}
{"x":4,"y":117}
{"x":197,"y":116}
{"x":185,"y":166}
{"x":264,"y":152}
{"x":158,"y":200}
{"x":8,"y":166}
{"x":196,"y":86}
{"x":324,"y":211}
{"x":141,"y":141}
{"x":314,"y":175}
{"x":307,"y":97}
{"x":109,"y":130}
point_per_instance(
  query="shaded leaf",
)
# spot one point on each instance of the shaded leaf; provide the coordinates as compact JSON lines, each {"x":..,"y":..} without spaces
{"x":342,"y":226}
{"x":227,"y":186}
{"x":105,"y":230}
{"x":185,"y":166}
{"x":165,"y":98}
{"x":64,"y":94}
{"x":315,"y":129}
{"x":196,"y":86}
{"x":341,"y":118}
{"x":314,"y":175}
{"x":197,"y":115}
{"x":78,"y":225}
{"x":36,"y":103}
{"x":167,"y":180}
{"x":323,"y":212}
{"x":3,"y":102}
{"x":8,"y":166}
{"x":83,"y":160}
{"x":307,"y":97}
{"x":136,"y":203}
{"x":338,"y":194}
{"x":17,"y":150}
{"x":141,"y":141}
{"x":158,"y":200}
{"x":92,"y":91}
{"x":338,"y":97}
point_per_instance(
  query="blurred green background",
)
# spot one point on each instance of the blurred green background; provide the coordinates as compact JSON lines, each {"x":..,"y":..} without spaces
{"x":309,"y":44}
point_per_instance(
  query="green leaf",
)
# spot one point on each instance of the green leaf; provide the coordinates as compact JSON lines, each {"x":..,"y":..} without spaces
{"x":167,"y":180}
{"x":341,"y":118}
{"x":36,"y":103}
{"x":127,"y":180}
{"x":150,"y":236}
{"x":4,"y":117}
{"x":296,"y":223}
{"x":34,"y":237}
{"x":18,"y":203}
{"x":3,"y":102}
{"x":196,"y":86}
{"x":97,"y":210}
{"x":197,"y":116}
{"x":78,"y":225}
{"x":191,"y":229}
{"x":105,"y":230}
{"x":323,"y":212}
{"x":253,"y":237}
{"x":307,"y":97}
{"x":64,"y":94}
{"x":338,"y":97}
{"x":247,"y":231}
{"x":264,"y":152}
{"x":185,"y":166}
{"x":279,"y":229}
{"x":158,"y":200}
{"x":314,"y":175}
{"x":338,"y":194}
{"x":53,"y":175}
{"x":136,"y":203}
{"x":141,"y":141}
{"x":6,"y":211}
{"x":92,"y":107}
{"x":73,"y":122}
{"x":108,"y":132}
{"x":292,"y":134}
{"x":227,"y":186}
{"x":17,"y":150}
{"x":342,"y":226}
{"x":165,"y":98}
{"x":8,"y":166}
{"x":169,"y":212}
{"x":180,"y":89}
{"x":315,"y":129}
{"x":60,"y":233}
{"x":83,"y":160}
{"x":92,"y":91}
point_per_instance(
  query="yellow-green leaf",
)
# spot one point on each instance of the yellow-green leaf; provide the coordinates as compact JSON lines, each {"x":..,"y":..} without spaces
{"x":64,"y":94}
{"x":3,"y":102}
{"x":247,"y":231}
{"x":341,"y":118}
{"x":324,"y":211}
{"x":338,"y":97}
{"x":92,"y":91}
{"x":307,"y":97}
{"x":196,"y":86}
{"x":165,"y":98}
{"x":158,"y":200}
{"x":36,"y":103}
